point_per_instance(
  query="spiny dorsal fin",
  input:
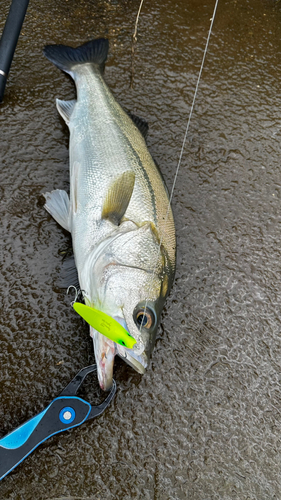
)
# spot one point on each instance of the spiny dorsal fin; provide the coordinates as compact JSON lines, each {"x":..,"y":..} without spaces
{"x":140,"y":123}
{"x":118,"y":197}
{"x":65,"y":109}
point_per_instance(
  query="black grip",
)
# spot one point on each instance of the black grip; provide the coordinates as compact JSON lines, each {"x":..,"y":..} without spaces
{"x":62,"y":414}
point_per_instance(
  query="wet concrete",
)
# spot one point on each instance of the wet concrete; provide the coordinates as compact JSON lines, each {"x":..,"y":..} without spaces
{"x":204,"y":422}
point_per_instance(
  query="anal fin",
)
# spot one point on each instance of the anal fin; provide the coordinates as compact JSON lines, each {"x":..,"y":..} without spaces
{"x":57,"y":204}
{"x":65,"y":109}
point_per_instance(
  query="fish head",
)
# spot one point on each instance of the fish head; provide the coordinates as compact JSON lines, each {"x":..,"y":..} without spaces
{"x":129,"y":281}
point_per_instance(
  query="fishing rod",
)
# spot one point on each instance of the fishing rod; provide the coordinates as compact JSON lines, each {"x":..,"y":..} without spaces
{"x":9,"y":39}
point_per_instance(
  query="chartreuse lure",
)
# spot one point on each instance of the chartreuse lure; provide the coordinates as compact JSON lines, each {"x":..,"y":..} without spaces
{"x":105,"y":324}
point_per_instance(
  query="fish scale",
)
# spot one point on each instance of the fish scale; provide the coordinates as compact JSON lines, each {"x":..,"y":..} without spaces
{"x":118,"y":212}
{"x":103,"y":146}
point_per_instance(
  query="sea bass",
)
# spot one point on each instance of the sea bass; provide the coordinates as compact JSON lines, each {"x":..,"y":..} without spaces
{"x":117,"y":212}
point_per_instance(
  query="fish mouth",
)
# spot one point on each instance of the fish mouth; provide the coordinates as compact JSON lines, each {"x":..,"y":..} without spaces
{"x":105,"y":352}
{"x":136,"y":361}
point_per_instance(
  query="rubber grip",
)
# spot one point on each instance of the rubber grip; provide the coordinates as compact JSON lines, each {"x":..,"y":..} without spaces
{"x":62,"y":414}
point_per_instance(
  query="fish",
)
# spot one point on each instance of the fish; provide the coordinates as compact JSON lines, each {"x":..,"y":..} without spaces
{"x":118,"y":210}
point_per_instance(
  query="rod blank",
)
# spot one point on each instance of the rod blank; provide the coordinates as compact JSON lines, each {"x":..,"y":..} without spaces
{"x":9,"y":39}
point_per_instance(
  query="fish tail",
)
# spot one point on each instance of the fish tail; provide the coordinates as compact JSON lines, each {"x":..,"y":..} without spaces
{"x":66,"y":58}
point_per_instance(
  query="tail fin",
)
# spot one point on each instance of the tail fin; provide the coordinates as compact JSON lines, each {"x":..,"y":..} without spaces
{"x":66,"y":58}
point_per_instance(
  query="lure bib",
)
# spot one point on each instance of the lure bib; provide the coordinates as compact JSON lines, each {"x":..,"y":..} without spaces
{"x":105,"y":324}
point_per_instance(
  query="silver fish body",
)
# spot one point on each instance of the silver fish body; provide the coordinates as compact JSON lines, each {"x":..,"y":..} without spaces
{"x":118,"y":210}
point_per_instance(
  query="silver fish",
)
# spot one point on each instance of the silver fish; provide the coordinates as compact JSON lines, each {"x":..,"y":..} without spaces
{"x":122,"y":231}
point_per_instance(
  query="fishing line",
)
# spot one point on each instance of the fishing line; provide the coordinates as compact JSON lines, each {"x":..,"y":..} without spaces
{"x":182,"y":149}
{"x":134,"y":41}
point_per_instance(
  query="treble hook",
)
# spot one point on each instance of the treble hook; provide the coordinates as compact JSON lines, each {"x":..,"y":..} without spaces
{"x":76,"y":294}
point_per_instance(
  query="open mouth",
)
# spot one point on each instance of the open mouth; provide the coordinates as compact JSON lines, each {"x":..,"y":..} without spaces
{"x":136,"y":361}
{"x":105,"y":352}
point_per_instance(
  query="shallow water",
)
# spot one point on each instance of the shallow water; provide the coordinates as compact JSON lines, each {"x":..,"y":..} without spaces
{"x":204,"y":422}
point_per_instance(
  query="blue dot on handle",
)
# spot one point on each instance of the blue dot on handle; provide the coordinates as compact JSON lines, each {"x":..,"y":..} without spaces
{"x":67,"y":415}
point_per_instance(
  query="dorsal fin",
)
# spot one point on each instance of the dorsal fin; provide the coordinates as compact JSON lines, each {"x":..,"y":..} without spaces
{"x":118,"y":197}
{"x":140,"y":123}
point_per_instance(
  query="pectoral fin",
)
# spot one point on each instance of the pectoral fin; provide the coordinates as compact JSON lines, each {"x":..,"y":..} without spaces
{"x":118,"y":198}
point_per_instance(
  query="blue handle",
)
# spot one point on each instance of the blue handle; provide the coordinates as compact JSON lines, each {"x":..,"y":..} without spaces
{"x":62,"y":414}
{"x":19,"y":436}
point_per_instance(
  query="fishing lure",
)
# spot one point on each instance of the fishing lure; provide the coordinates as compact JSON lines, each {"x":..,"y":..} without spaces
{"x":105,"y":324}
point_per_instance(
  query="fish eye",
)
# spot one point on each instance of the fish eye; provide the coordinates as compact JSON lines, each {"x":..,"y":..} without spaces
{"x":144,"y":318}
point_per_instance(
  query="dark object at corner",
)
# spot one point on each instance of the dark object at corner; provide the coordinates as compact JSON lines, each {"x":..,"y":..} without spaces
{"x":63,"y":413}
{"x":9,"y":39}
